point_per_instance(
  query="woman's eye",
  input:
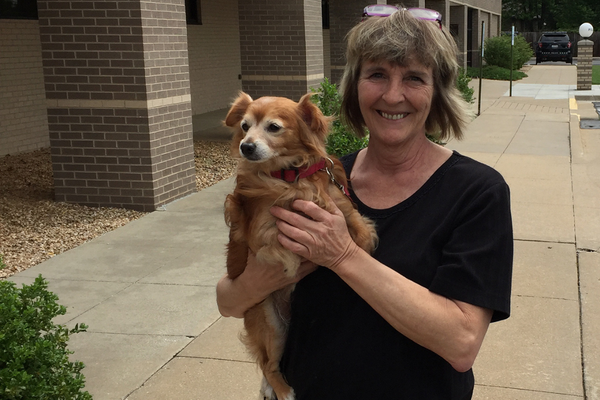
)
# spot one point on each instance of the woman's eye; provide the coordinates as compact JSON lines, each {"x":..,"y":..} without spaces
{"x":273,"y":128}
{"x":245,"y":126}
{"x":376,"y":75}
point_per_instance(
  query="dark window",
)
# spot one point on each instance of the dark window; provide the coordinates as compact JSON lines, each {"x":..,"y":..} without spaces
{"x":325,"y":13}
{"x":554,"y":37}
{"x":192,"y":12}
{"x":18,"y":9}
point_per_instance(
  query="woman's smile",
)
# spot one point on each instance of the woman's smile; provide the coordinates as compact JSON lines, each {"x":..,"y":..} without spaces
{"x":392,"y":116}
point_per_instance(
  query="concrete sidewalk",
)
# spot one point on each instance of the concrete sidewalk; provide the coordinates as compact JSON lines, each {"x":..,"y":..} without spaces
{"x":147,"y":292}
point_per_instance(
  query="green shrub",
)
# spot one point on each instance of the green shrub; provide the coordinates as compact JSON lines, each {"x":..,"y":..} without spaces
{"x":497,"y":52}
{"x":462,"y":83}
{"x":496,"y":73}
{"x":341,"y":140}
{"x":34,"y":362}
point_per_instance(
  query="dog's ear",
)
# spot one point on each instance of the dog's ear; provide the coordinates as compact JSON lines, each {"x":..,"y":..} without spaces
{"x":313,"y":117}
{"x":233,"y":119}
{"x":238,"y":109}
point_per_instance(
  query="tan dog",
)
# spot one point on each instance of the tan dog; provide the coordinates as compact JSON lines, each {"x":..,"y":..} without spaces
{"x":282,"y":146}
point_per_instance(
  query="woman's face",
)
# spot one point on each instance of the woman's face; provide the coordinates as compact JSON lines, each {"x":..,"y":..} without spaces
{"x":395,"y":100}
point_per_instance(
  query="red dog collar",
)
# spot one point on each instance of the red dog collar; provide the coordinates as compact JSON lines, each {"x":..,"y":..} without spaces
{"x":292,"y":175}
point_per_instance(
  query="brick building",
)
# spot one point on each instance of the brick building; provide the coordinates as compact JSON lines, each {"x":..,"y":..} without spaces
{"x":111,"y":86}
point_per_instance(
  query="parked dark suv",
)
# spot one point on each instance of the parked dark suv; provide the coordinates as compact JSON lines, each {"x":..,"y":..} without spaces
{"x":554,"y":46}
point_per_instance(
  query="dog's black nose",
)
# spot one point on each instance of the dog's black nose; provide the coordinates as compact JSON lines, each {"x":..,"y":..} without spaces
{"x":248,"y":149}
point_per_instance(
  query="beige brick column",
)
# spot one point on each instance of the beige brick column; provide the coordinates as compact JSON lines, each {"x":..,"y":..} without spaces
{"x":281,"y":44}
{"x":343,"y":15}
{"x":585,"y":52}
{"x":119,"y":111}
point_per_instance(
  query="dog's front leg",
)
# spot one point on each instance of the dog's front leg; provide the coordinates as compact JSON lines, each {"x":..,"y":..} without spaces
{"x":237,"y":258}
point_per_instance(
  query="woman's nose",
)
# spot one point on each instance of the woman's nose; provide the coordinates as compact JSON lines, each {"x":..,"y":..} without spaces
{"x":394,"y":92}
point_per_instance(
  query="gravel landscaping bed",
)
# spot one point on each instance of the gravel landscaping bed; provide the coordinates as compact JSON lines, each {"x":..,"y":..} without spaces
{"x":33,"y":227}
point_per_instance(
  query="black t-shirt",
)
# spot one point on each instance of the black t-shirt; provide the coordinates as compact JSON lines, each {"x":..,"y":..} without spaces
{"x":453,"y":236}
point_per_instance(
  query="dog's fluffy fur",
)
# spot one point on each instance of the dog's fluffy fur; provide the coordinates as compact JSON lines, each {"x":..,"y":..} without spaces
{"x":270,"y":134}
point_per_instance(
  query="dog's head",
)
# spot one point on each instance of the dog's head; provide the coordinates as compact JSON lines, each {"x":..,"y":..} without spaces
{"x":277,"y":131}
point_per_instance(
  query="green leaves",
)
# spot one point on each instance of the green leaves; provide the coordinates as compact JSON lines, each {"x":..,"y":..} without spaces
{"x":549,"y":15}
{"x":34,"y":359}
{"x":340,"y":141}
{"x":462,"y":83}
{"x":497,"y":52}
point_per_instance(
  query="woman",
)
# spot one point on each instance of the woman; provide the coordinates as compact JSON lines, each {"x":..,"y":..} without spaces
{"x":408,"y":321}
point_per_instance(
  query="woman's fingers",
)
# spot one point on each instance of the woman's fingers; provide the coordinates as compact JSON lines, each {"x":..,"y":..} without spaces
{"x":320,"y":236}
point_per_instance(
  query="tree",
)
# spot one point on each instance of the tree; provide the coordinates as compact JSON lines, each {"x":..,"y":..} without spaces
{"x":527,"y":15}
{"x":549,"y":15}
{"x":569,"y":14}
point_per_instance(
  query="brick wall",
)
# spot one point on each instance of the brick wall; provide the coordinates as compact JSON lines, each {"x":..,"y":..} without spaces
{"x":343,"y":16}
{"x":88,"y":54}
{"x":276,"y":57}
{"x":214,"y":54}
{"x":169,"y":105}
{"x":23,"y":119}
{"x":119,"y":110}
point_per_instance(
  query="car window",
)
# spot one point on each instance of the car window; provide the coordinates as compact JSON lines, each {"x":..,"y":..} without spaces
{"x":553,"y":38}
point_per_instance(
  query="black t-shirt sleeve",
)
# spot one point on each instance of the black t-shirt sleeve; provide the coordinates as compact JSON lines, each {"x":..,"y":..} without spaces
{"x":477,"y":260}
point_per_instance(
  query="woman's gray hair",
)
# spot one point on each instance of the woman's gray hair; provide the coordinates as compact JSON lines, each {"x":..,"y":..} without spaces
{"x":398,"y":39}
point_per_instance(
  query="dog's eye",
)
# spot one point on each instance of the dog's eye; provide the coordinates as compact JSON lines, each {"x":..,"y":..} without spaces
{"x":273,"y":128}
{"x":245,"y":126}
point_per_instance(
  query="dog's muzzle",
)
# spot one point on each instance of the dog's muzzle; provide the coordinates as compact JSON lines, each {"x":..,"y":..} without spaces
{"x":250,"y":151}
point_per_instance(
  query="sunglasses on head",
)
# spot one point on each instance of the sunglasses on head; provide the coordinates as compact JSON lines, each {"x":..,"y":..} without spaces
{"x":385,"y":10}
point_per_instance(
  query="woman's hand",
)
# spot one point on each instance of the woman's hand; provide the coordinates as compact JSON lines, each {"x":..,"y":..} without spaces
{"x":236,"y":296}
{"x":323,"y":238}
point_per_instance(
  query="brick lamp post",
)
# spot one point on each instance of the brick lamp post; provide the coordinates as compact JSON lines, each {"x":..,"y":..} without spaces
{"x":585,"y":52}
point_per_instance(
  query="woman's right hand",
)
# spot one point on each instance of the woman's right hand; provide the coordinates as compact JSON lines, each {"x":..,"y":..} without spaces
{"x":257,"y":282}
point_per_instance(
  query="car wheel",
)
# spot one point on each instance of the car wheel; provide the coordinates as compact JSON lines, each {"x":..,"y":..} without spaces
{"x":537,"y":61}
{"x":570,"y":60}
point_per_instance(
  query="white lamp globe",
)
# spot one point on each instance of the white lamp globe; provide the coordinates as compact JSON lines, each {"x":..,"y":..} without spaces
{"x":586,"y":29}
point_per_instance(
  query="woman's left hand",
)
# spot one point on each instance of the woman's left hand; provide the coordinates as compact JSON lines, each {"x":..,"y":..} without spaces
{"x":323,"y":238}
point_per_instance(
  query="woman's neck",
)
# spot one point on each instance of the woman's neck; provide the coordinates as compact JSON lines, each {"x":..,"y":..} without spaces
{"x":384,"y":176}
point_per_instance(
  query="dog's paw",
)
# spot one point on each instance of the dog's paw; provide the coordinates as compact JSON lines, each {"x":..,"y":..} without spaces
{"x":266,"y":391}
{"x":291,"y":396}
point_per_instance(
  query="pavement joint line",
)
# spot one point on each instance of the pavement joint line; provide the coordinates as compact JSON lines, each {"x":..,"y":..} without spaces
{"x":525,"y":296}
{"x":140,"y":334}
{"x":581,"y":328}
{"x":544,"y":241}
{"x":584,"y":250}
{"x":217,"y":359}
{"x":168,"y":284}
{"x":576,"y":396}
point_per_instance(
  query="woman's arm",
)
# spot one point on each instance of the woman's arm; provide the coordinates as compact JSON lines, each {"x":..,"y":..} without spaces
{"x":452,"y":329}
{"x":236,"y":296}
